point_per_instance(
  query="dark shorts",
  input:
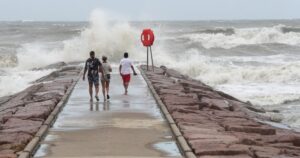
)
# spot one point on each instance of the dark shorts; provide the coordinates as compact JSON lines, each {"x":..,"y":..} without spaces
{"x":106,"y":78}
{"x":93,"y":79}
{"x":126,"y":78}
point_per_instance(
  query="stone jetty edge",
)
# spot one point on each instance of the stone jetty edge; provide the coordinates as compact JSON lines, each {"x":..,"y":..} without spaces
{"x":183,"y":145}
{"x":33,"y":145}
{"x":211,"y":124}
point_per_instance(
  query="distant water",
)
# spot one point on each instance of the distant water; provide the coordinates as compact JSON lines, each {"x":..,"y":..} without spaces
{"x":252,"y":60}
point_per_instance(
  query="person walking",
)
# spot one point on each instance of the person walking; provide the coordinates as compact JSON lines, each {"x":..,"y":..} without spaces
{"x":105,"y":79}
{"x":125,"y":69}
{"x":93,"y":66}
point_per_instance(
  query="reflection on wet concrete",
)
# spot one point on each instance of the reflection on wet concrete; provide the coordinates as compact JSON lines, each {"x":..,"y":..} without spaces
{"x":125,"y":126}
{"x":42,"y":150}
{"x":170,"y":148}
{"x":94,"y":106}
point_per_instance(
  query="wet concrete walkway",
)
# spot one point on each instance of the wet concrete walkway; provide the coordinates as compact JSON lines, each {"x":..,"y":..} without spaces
{"x":126,"y":126}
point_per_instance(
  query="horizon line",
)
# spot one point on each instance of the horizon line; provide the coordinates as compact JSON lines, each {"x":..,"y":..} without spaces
{"x":188,"y":20}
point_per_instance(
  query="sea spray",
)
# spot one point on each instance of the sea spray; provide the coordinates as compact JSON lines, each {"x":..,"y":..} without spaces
{"x":256,"y":61}
{"x":101,"y":35}
{"x":14,"y":81}
{"x":104,"y":37}
{"x":244,"y":36}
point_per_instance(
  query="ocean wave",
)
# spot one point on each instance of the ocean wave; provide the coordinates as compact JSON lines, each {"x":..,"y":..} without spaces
{"x":291,"y":101}
{"x":225,"y":31}
{"x":100,"y":36}
{"x":268,"y":95}
{"x":13,"y":80}
{"x":8,"y":60}
{"x":264,"y":80}
{"x":223,"y":70}
{"x":286,"y":29}
{"x":245,"y":36}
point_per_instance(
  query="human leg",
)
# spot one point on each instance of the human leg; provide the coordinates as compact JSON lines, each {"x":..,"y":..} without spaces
{"x":103,"y":88}
{"x":126,"y":83}
{"x":91,"y":91}
{"x":107,"y":89}
{"x":97,"y":91}
{"x":126,"y":87}
{"x":96,"y":84}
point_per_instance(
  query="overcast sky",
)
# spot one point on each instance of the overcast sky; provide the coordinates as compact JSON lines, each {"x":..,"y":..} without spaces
{"x":79,"y":10}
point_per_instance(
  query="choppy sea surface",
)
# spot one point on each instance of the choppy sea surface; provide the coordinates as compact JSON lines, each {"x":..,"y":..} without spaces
{"x":253,"y":60}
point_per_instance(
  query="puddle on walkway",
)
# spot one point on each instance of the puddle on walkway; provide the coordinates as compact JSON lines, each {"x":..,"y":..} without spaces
{"x":134,"y":123}
{"x":43,"y":150}
{"x":51,"y":137}
{"x":134,"y":120}
{"x":170,"y":148}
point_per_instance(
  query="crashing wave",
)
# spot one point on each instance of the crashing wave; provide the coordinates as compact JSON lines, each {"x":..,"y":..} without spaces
{"x":8,"y":60}
{"x":223,"y":70}
{"x":225,"y":31}
{"x":285,"y":29}
{"x":105,"y":38}
{"x":291,"y":101}
{"x":245,"y":36}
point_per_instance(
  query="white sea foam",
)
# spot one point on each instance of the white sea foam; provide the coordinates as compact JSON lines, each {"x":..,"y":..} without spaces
{"x":245,"y":36}
{"x":14,"y":80}
{"x":221,"y":70}
{"x":104,"y":37}
{"x":274,"y":82}
{"x":264,"y":80}
{"x":7,"y":60}
{"x":264,"y":94}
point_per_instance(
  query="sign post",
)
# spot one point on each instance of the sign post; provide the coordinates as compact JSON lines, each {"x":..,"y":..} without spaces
{"x":147,"y":38}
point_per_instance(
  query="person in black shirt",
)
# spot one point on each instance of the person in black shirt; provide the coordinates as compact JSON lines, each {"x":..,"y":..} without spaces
{"x":93,"y":66}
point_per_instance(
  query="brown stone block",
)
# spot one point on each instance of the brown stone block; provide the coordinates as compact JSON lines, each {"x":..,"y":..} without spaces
{"x":200,"y":139}
{"x":17,"y":140}
{"x":177,"y":100}
{"x":33,"y":111}
{"x":220,"y":149}
{"x":224,"y":156}
{"x":191,"y":129}
{"x":169,"y":91}
{"x":265,"y":152}
{"x":194,"y":84}
{"x":218,"y":104}
{"x":247,"y":129}
{"x":19,"y":125}
{"x":208,"y":125}
{"x":296,"y":141}
{"x":190,"y":117}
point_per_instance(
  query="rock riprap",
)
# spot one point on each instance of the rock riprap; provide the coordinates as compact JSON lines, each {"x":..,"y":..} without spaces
{"x":22,"y":114}
{"x":217,"y":125}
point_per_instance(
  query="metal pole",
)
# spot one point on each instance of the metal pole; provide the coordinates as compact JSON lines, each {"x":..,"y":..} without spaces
{"x":147,"y":60}
{"x":152,"y":59}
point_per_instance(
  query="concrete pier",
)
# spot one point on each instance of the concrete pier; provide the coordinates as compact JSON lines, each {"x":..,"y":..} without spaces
{"x":126,"y":126}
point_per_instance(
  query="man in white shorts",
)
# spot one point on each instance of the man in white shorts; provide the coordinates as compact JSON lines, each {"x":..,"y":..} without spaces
{"x":125,"y":70}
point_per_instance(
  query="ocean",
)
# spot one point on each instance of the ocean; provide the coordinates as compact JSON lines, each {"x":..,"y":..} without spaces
{"x":256,"y":61}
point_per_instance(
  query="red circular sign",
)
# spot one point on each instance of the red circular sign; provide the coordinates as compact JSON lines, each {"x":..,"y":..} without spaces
{"x":147,"y":37}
